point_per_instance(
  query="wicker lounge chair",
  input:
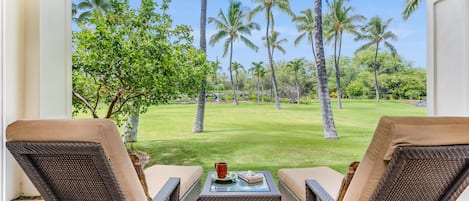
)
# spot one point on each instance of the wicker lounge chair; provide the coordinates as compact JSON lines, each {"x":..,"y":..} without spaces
{"x":409,"y":158}
{"x":86,"y":160}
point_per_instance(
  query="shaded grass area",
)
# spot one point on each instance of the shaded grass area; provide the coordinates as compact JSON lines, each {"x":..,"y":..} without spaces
{"x":259,"y":137}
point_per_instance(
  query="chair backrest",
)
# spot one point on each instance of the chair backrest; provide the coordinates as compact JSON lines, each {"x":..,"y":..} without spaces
{"x":406,"y":148}
{"x":425,"y":173}
{"x":74,"y":159}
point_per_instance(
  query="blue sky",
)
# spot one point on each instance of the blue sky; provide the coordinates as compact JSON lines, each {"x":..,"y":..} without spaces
{"x":411,"y":43}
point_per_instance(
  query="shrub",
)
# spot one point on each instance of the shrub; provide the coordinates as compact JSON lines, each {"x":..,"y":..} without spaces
{"x":355,"y":89}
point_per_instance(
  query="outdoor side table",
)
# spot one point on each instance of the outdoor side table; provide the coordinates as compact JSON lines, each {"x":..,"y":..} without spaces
{"x":240,"y":190}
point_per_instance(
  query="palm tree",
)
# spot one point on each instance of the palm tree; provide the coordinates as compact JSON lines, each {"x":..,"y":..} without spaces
{"x":338,"y":21}
{"x":295,"y":66}
{"x":200,"y":114}
{"x":237,"y":67}
{"x":305,"y":27}
{"x":330,"y":132}
{"x":90,"y":6}
{"x":258,"y":71}
{"x":410,"y":7}
{"x":231,"y":27}
{"x":215,"y":66}
{"x":267,"y":5}
{"x":375,"y":32}
{"x":276,"y":43}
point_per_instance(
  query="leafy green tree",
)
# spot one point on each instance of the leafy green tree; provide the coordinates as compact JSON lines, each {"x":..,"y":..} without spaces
{"x":200,"y":114}
{"x":267,"y":6}
{"x":398,"y":78}
{"x":339,"y":20}
{"x":410,"y":7}
{"x":89,"y":6}
{"x":330,"y":132}
{"x":132,"y":59}
{"x":231,"y":27}
{"x":375,"y":32}
{"x":305,"y":26}
{"x":258,"y":71}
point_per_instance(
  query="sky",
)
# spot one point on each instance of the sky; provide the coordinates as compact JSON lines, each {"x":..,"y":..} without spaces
{"x":411,"y":43}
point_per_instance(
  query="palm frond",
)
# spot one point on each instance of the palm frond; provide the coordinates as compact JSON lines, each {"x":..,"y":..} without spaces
{"x":85,"y":5}
{"x":389,"y":35}
{"x":299,"y":38}
{"x":364,"y":47}
{"x":249,"y":43}
{"x":254,"y":12}
{"x":218,"y":36}
{"x":226,"y":46}
{"x":284,"y":6}
{"x":281,"y":49}
{"x":84,"y":15}
{"x":391,"y":48}
{"x":410,"y":7}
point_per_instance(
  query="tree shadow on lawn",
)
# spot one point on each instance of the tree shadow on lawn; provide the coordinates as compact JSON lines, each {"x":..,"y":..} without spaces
{"x":221,"y":131}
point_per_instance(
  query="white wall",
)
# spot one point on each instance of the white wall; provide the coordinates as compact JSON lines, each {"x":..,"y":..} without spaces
{"x":448,"y":57}
{"x":37,"y":69}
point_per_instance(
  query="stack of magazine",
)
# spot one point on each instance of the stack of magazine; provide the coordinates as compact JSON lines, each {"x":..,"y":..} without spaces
{"x":251,"y":177}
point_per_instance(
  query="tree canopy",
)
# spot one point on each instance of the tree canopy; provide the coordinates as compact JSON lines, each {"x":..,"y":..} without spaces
{"x":133,"y":57}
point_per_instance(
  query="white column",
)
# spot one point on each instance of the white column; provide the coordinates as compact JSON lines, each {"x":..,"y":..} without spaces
{"x":13,"y":67}
{"x":2,"y":116}
{"x":448,"y":57}
{"x":448,"y":60}
{"x":56,"y":59}
{"x":37,"y":71}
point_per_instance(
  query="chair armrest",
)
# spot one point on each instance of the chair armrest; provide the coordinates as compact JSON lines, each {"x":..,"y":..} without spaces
{"x":169,"y":191}
{"x":315,"y":192}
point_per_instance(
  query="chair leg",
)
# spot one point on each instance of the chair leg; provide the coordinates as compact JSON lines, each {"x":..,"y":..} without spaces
{"x":287,"y":194}
{"x":193,"y":193}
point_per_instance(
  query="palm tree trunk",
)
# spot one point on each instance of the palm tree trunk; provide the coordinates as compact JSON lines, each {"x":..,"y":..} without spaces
{"x":258,"y":91}
{"x":330,"y":131}
{"x":376,"y":73}
{"x":338,"y":63}
{"x":199,"y":117}
{"x":262,"y":93}
{"x":233,"y":87}
{"x":314,"y":52}
{"x":272,"y":71}
{"x":297,"y":88}
{"x":236,"y":79}
{"x":337,"y":72}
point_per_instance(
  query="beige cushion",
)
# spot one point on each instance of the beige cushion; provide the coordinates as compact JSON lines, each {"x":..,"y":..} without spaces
{"x":402,"y":131}
{"x":157,"y":175}
{"x":294,"y":179}
{"x":90,"y":130}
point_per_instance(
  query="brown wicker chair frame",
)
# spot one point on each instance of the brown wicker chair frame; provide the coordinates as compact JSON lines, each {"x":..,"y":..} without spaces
{"x":416,"y":173}
{"x":75,"y":171}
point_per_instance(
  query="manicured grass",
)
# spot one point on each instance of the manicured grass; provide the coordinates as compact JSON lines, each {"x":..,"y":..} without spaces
{"x":259,"y":137}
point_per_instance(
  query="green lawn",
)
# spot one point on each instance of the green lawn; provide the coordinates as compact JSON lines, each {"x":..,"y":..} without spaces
{"x":259,"y":137}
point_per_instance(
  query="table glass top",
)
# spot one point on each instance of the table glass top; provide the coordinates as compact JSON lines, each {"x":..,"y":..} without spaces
{"x":238,"y":185}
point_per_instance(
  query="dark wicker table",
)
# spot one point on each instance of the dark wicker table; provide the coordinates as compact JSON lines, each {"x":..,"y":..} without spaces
{"x":240,"y":190}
